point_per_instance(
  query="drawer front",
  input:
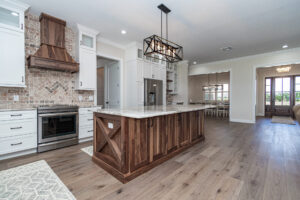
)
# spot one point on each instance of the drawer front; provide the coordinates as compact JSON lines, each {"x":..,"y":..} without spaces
{"x":15,"y":128}
{"x":85,"y":132}
{"x":83,"y":111}
{"x":18,"y":144}
{"x":86,"y":120}
{"x":17,"y":115}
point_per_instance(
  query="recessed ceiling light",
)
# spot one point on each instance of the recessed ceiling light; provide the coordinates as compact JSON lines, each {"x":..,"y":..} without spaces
{"x":285,"y":46}
{"x":194,"y":62}
{"x":226,"y":48}
{"x":123,"y":32}
{"x":14,"y":14}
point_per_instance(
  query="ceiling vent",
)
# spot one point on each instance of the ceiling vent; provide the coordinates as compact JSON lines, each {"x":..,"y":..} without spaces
{"x":226,"y":48}
{"x":52,"y":53}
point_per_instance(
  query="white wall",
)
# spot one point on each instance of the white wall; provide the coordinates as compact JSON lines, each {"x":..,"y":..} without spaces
{"x":242,"y":78}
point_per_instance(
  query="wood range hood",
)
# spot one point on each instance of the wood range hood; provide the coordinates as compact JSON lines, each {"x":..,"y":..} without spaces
{"x":52,"y":54}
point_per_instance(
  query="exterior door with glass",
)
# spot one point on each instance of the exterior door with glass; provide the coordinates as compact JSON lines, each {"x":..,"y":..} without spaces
{"x":279,"y":95}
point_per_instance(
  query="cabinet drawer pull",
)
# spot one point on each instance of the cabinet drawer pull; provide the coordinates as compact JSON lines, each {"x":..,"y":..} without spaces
{"x":90,"y":119}
{"x":18,"y":115}
{"x":90,"y":131}
{"x":16,"y":144}
{"x":13,"y":128}
{"x":89,"y":110}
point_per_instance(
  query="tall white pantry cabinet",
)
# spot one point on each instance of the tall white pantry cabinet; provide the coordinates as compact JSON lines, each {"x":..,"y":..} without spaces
{"x":86,"y":55}
{"x":137,"y":68}
{"x":12,"y":43}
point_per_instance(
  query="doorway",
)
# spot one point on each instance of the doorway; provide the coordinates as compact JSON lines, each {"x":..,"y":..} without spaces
{"x":108,"y":82}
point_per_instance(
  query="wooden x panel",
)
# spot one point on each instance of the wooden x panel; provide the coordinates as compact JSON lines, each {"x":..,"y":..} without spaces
{"x":107,"y":136}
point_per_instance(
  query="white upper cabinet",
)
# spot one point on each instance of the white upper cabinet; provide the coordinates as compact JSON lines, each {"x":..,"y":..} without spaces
{"x":87,"y":37}
{"x":12,"y":15}
{"x":12,"y":43}
{"x":87,"y":58}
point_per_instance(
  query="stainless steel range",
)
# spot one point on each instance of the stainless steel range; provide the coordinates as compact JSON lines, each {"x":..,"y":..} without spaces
{"x":57,"y":126}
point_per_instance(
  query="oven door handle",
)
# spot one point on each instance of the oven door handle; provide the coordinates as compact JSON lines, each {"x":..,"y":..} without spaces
{"x":58,"y":114}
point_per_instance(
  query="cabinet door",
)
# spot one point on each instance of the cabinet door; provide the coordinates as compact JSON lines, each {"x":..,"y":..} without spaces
{"x":183,"y":128}
{"x":87,"y":69}
{"x":12,"y":58}
{"x":157,"y":137}
{"x":195,"y":129}
{"x":172,"y":138}
{"x":147,"y":70}
{"x":87,"y":41}
{"x":140,"y":93}
{"x":139,"y":71}
{"x":156,"y":72}
{"x":139,"y":140}
{"x":11,"y":18}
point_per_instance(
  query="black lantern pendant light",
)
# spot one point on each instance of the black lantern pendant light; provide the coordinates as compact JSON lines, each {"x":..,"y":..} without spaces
{"x":157,"y":45}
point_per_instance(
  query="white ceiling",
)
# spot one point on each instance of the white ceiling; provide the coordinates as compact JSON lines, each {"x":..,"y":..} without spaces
{"x":202,"y":27}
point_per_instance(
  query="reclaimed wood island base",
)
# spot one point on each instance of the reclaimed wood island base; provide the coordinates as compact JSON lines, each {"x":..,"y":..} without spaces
{"x":127,"y":144}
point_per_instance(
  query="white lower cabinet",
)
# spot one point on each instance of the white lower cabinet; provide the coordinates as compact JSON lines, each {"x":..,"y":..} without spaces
{"x":86,"y":126}
{"x":18,"y":133}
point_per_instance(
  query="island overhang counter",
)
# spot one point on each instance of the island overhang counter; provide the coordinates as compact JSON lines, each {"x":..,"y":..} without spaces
{"x":129,"y":142}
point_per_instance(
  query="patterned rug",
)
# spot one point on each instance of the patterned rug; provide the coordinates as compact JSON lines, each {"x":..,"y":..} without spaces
{"x":283,"y":120}
{"x":88,"y":150}
{"x":33,"y":181}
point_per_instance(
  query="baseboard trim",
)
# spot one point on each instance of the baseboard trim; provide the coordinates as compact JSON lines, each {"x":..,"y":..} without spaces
{"x":242,"y":121}
{"x":18,"y":154}
{"x":85,"y":139}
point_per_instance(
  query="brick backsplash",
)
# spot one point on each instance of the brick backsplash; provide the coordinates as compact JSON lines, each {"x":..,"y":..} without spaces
{"x":44,"y":86}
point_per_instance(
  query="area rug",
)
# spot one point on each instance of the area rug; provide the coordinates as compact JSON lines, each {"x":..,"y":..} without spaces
{"x":283,"y":120}
{"x":88,"y":150}
{"x":32,"y":181}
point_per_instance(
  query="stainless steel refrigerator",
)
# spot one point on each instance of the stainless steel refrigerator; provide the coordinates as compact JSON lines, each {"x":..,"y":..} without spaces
{"x":153,"y":92}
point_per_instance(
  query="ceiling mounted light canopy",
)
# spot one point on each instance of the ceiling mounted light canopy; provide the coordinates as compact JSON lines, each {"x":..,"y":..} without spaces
{"x":157,"y":45}
{"x":283,"y":69}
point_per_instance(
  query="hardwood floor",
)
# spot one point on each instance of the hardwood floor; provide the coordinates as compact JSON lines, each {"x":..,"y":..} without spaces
{"x":236,"y":162}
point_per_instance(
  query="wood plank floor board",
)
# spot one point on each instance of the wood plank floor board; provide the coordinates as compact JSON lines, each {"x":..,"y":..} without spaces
{"x":236,"y":162}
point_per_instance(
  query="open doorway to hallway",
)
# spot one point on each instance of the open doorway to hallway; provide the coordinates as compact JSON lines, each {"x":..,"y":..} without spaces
{"x":277,"y":90}
{"x":108,"y":82}
{"x":211,"y":89}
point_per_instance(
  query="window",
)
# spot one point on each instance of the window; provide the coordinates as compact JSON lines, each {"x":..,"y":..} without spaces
{"x":225,"y":92}
{"x":209,"y":95}
{"x":297,"y":90}
{"x":222,"y":94}
{"x":268,"y":91}
{"x":282,"y":91}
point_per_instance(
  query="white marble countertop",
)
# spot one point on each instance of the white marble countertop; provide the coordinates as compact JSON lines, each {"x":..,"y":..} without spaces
{"x":152,"y":111}
{"x":16,"y":109}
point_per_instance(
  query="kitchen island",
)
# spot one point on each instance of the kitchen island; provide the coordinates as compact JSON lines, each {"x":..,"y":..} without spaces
{"x":129,"y":142}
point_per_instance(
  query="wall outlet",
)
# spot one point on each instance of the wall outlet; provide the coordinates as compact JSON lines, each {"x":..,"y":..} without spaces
{"x":16,"y":97}
{"x":91,"y":98}
{"x":80,"y":98}
{"x":110,"y":125}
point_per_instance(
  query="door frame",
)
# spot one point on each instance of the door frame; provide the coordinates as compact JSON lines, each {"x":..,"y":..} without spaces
{"x":120,"y":60}
{"x":254,"y":78}
{"x":292,"y":91}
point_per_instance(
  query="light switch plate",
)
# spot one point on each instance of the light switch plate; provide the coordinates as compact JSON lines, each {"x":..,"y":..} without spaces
{"x":110,"y":125}
{"x":80,"y":98}
{"x":16,"y":97}
{"x":91,"y":98}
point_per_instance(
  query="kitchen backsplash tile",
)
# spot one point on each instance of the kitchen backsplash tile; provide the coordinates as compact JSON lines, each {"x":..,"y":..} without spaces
{"x":44,"y":86}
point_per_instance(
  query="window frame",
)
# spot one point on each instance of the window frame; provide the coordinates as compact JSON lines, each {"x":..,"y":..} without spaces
{"x":271,"y":91}
{"x":215,"y":94}
{"x":294,"y":89}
